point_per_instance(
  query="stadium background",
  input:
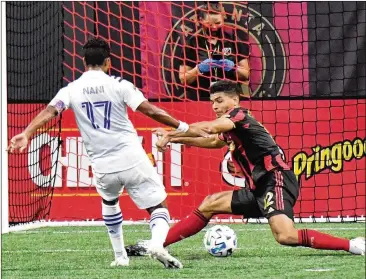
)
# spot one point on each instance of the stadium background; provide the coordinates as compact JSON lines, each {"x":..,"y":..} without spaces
{"x":312,"y":94}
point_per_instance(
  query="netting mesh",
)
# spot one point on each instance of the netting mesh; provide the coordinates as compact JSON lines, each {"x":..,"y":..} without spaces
{"x":34,"y":62}
{"x":304,"y":63}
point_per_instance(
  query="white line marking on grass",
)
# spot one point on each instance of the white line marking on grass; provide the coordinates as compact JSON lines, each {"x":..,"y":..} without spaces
{"x":57,"y":251}
{"x":97,"y":250}
{"x":146,"y":230}
{"x":320,"y":269}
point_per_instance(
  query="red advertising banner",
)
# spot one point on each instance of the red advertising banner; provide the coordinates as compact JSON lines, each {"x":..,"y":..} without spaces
{"x":323,"y":141}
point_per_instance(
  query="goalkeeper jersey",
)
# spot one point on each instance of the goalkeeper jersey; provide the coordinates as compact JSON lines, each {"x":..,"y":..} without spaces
{"x":99,"y":102}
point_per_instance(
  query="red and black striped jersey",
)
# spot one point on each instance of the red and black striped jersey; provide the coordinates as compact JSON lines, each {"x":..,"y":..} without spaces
{"x":253,"y":150}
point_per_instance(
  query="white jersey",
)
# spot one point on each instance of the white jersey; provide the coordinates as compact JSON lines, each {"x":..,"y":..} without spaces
{"x":99,"y":103}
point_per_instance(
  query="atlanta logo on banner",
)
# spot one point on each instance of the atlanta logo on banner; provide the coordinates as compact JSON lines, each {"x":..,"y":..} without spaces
{"x":268,"y":55}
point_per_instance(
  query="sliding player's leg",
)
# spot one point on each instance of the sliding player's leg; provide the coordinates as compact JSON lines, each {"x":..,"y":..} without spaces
{"x":109,"y":188}
{"x":286,"y":234}
{"x":238,"y":202}
{"x":145,"y":188}
{"x":277,"y":201}
{"x":198,"y":219}
{"x":192,"y":224}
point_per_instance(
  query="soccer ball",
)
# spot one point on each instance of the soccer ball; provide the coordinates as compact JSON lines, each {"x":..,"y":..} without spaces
{"x":220,"y":241}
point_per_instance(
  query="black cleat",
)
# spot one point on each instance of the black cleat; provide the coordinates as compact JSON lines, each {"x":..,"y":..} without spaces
{"x":137,"y":250}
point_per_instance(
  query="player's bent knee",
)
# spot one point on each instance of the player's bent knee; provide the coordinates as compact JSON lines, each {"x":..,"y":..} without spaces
{"x":207,"y":204}
{"x":283,"y":229}
{"x":206,"y":199}
{"x":286,"y":238}
{"x":112,"y":202}
{"x":160,"y":205}
{"x":216,"y":203}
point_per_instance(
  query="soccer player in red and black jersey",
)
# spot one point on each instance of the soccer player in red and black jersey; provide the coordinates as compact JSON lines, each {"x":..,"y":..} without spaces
{"x":272,"y":188}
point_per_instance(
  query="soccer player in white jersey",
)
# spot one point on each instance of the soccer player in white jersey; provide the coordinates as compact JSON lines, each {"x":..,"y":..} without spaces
{"x":100,"y":102}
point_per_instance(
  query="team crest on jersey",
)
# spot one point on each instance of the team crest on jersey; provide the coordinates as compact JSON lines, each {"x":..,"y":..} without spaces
{"x":226,"y":51}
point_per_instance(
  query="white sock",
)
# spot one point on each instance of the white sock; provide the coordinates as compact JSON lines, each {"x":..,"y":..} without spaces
{"x":159,"y":226}
{"x":113,"y":218}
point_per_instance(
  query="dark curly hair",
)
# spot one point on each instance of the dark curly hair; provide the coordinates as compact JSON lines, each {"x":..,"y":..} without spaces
{"x":96,"y":50}
{"x":226,"y":86}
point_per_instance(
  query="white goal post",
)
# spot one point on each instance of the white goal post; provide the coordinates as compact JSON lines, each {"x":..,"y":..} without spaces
{"x":4,"y":128}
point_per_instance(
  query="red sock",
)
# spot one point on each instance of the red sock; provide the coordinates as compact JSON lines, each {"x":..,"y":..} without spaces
{"x":194,"y":223}
{"x":318,"y":240}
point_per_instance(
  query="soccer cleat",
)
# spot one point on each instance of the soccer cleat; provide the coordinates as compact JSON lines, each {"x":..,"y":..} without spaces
{"x":164,"y":257}
{"x":357,"y":246}
{"x":138,"y":249}
{"x":121,"y":261}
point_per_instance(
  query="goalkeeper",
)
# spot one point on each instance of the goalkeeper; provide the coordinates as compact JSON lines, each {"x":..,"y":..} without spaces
{"x":219,"y":50}
{"x":272,"y":188}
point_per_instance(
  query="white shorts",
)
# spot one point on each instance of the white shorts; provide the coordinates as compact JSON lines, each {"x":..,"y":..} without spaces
{"x":142,"y":183}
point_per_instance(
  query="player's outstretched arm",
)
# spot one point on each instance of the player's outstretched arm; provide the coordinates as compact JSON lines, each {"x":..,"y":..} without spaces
{"x":165,"y":118}
{"x":204,"y":142}
{"x":158,"y":114}
{"x":20,"y":141}
{"x":216,"y":126}
{"x":211,"y":142}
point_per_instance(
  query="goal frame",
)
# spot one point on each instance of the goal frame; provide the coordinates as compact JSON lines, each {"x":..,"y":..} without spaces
{"x":4,"y":128}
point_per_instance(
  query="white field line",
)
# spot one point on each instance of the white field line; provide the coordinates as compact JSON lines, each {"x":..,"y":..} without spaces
{"x":147,"y":230}
{"x":320,"y":269}
{"x":97,"y":250}
{"x":92,"y":223}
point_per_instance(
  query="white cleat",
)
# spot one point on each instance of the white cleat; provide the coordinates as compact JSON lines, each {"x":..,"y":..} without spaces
{"x":121,"y":261}
{"x":164,"y":257}
{"x":357,"y":246}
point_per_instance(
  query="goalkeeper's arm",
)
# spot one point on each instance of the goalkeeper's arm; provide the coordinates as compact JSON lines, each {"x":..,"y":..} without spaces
{"x":20,"y":141}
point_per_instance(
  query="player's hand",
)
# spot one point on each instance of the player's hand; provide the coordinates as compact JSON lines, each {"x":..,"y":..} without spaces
{"x":160,"y":132}
{"x":18,"y":142}
{"x":206,"y":65}
{"x":162,"y":143}
{"x":163,"y":139}
{"x":227,"y":64}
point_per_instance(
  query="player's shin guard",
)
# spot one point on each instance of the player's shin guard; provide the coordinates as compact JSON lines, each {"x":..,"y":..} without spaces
{"x":113,"y":218}
{"x":189,"y":226}
{"x":319,"y":240}
{"x":159,"y":226}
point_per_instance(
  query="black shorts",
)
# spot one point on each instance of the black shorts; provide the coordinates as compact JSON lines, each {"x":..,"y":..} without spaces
{"x":276,"y":193}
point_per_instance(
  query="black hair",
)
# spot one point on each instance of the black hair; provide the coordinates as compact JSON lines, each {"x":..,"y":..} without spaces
{"x":226,"y":86}
{"x":96,"y":50}
{"x":209,"y":7}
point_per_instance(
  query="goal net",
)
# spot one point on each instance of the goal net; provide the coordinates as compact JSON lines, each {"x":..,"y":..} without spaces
{"x":306,"y":85}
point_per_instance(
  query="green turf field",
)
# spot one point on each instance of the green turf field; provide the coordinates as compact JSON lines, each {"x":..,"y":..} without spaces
{"x":85,"y":252}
